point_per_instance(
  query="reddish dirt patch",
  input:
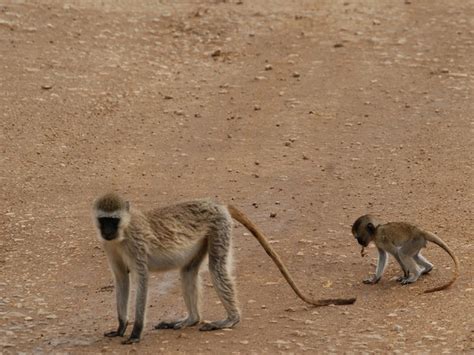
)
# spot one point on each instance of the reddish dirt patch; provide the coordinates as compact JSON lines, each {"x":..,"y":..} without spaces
{"x":315,"y":112}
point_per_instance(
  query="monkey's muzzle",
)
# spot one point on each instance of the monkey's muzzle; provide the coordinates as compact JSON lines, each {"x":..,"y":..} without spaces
{"x":109,"y":227}
{"x":362,"y":242}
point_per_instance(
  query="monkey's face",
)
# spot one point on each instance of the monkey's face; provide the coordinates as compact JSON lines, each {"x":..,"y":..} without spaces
{"x":363,"y":230}
{"x":363,"y":240}
{"x":112,"y":216}
{"x":109,"y":227}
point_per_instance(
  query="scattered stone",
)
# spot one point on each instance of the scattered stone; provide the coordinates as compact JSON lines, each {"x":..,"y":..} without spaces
{"x":216,"y":53}
{"x":296,"y":74}
{"x":7,"y":345}
{"x":397,"y":328}
{"x":79,"y":285}
{"x":257,"y":108}
{"x":299,"y":333}
{"x":244,"y":342}
{"x":15,"y":315}
{"x":458,"y":75}
{"x":338,"y":45}
{"x":268,"y":67}
{"x":6,"y":24}
{"x":273,"y":215}
{"x":46,"y":87}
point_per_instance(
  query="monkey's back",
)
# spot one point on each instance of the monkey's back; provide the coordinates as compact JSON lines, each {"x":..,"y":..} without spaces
{"x":398,"y":232}
{"x":186,"y":221}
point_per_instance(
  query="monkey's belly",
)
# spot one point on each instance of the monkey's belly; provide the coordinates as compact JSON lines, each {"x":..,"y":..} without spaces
{"x":163,"y":260}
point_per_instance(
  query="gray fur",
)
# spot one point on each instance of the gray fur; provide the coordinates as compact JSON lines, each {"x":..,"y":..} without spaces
{"x":178,"y":236}
{"x":404,"y":241}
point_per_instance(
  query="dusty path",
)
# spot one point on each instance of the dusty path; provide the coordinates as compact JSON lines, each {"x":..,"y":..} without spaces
{"x":316,"y":111}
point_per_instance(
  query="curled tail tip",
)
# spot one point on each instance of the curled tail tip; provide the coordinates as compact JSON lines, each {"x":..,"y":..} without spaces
{"x":440,"y":288}
{"x":347,"y":301}
{"x":335,"y":302}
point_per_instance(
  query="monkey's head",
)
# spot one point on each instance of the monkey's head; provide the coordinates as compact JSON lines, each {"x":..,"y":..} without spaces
{"x":364,"y":228}
{"x":111,"y":215}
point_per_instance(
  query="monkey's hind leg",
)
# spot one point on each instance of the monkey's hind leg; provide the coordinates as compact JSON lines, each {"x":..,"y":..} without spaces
{"x":423,"y":263}
{"x":407,"y":255}
{"x":219,"y":267}
{"x":191,"y":292}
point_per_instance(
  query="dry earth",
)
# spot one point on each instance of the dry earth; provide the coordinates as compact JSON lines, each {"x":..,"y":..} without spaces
{"x":315,"y":111}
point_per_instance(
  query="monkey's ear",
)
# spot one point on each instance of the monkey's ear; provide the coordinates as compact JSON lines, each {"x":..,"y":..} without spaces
{"x":127,"y":205}
{"x":370,"y":228}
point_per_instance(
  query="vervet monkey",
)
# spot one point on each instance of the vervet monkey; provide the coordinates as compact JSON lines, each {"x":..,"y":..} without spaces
{"x":404,"y":241}
{"x":178,"y":236}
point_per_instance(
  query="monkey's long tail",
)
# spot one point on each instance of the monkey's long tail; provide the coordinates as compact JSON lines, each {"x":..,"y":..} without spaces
{"x":240,"y":217}
{"x":435,"y":239}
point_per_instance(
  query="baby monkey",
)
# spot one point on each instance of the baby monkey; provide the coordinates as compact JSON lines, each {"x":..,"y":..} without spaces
{"x":404,"y":241}
{"x":177,"y":237}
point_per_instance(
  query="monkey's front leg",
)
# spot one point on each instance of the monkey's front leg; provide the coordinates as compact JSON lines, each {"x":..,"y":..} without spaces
{"x":381,"y":264}
{"x":122,"y":290}
{"x":140,"y":306}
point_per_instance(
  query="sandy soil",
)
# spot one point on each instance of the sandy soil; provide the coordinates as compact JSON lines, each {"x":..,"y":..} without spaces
{"x":314,"y":112}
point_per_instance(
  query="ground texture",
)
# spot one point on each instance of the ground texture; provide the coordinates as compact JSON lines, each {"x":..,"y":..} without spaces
{"x":304,"y":114}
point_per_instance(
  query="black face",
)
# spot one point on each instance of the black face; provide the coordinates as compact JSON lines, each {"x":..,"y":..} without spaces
{"x":361,"y":241}
{"x":109,"y":227}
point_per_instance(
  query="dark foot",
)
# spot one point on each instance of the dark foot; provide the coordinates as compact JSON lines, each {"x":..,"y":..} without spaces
{"x":220,"y":324}
{"x":208,"y":327}
{"x":112,"y":334}
{"x":167,"y":325}
{"x":131,"y":341}
{"x":427,"y":270}
{"x":372,"y":280}
{"x":407,"y":281}
{"x":178,"y":324}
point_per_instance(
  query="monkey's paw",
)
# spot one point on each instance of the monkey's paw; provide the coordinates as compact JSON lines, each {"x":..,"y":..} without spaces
{"x":370,"y":280}
{"x":205,"y":327}
{"x":426,"y":270}
{"x":407,"y":281}
{"x":112,"y":334}
{"x":131,"y":341}
{"x":180,"y":324}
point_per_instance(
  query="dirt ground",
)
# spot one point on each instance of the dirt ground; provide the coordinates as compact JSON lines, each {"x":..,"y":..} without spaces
{"x":304,"y":114}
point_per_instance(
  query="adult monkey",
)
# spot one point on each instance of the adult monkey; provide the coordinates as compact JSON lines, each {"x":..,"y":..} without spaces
{"x":177,"y":236}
